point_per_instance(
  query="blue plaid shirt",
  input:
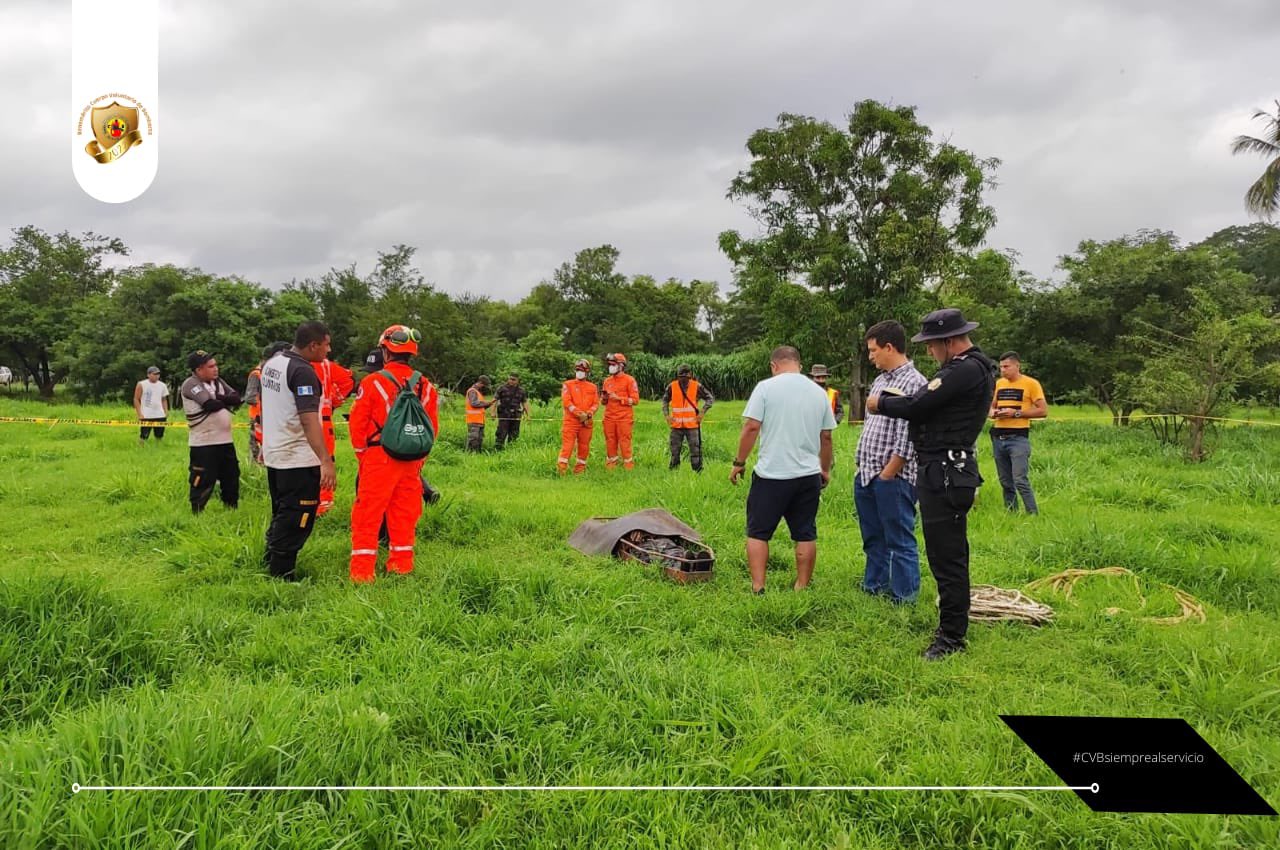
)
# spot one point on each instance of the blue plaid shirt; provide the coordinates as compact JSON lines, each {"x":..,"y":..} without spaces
{"x":883,"y":437}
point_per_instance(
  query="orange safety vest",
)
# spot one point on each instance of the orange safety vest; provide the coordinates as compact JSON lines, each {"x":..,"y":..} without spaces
{"x":684,"y":405}
{"x":475,"y":415}
{"x":255,"y":409}
{"x":832,"y":395}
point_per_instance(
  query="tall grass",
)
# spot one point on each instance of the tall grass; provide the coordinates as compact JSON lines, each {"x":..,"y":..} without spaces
{"x":142,"y":645}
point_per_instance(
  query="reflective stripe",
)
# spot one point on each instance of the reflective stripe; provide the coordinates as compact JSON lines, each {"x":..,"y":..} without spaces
{"x":355,"y":552}
{"x":582,"y":463}
{"x":562,"y":460}
{"x":476,"y":415}
{"x":382,"y":392}
{"x":401,"y":548}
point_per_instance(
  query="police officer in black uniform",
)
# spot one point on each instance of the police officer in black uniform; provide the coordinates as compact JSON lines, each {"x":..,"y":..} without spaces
{"x":945,"y":417}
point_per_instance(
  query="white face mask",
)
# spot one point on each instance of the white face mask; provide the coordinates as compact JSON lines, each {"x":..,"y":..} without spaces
{"x":580,"y":375}
{"x":613,"y":370}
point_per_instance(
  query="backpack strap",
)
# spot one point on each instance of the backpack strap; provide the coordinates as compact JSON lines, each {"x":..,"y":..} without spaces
{"x":376,"y":439}
{"x":392,"y":378}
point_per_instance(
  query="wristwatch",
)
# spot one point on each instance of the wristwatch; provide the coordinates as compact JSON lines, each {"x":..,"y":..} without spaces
{"x":1017,"y":414}
{"x":739,"y":464}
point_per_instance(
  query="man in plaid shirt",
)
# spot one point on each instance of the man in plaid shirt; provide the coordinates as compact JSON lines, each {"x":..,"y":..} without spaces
{"x":884,"y":486}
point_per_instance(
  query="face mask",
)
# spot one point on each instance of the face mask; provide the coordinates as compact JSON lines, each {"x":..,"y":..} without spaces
{"x":613,"y":370}
{"x":580,"y":375}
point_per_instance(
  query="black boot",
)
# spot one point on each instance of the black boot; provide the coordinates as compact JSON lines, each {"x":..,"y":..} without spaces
{"x":943,"y":646}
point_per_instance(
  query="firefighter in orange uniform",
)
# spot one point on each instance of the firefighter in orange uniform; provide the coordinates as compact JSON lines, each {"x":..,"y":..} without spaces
{"x":388,"y":487}
{"x":580,"y":401}
{"x":336,"y":383}
{"x":620,"y":396}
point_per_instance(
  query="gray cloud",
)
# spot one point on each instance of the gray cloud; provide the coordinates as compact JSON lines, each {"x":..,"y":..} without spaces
{"x":499,"y":138}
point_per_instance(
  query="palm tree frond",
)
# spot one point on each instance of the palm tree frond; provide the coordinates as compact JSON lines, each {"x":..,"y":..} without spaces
{"x":1263,"y":197}
{"x":1249,"y":144}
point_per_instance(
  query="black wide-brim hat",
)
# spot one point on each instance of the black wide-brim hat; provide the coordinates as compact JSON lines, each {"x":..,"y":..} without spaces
{"x":942,"y":324}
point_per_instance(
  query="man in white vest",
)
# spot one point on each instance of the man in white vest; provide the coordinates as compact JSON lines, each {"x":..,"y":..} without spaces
{"x":293,"y":448}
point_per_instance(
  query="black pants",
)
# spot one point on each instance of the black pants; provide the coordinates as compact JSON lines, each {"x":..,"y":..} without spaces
{"x":214,"y":465}
{"x":295,"y":496}
{"x":694,"y":436}
{"x":475,"y":437}
{"x":147,"y":429}
{"x":508,"y":430}
{"x":946,"y":491}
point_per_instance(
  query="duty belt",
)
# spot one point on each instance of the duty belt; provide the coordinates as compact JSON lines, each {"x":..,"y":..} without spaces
{"x":946,"y":455}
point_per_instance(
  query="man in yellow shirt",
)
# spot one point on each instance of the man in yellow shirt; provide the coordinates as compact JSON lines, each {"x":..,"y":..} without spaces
{"x":1017,"y":400}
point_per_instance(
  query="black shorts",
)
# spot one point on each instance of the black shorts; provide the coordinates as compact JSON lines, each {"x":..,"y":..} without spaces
{"x":795,"y":499}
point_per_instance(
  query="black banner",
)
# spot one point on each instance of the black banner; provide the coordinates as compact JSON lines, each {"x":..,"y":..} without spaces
{"x":1138,"y":764}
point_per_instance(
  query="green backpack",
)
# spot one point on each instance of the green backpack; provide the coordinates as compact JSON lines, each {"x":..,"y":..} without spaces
{"x":407,"y":434}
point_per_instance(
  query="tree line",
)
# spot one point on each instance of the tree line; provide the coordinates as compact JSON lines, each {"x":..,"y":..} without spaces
{"x":873,"y":219}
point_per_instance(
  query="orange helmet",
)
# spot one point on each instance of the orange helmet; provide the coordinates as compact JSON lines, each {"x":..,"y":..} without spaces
{"x":616,"y":358}
{"x":400,"y":339}
{"x":583,"y":364}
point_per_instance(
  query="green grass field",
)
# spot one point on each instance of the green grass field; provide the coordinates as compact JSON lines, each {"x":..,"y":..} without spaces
{"x":142,"y":645}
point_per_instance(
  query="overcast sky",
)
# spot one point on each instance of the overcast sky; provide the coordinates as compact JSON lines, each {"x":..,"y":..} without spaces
{"x":500,"y":137}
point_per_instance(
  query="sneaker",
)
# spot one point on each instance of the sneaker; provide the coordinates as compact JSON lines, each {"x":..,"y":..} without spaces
{"x":942,"y":647}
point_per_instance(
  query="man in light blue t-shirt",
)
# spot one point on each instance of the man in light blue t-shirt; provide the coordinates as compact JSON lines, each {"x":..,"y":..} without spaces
{"x":791,"y":417}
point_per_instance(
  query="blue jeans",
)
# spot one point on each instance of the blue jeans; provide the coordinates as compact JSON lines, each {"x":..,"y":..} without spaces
{"x":1013,"y":456}
{"x":887,"y":516}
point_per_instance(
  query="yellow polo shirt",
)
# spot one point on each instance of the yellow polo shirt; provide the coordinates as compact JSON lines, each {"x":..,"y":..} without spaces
{"x":1021,"y":394}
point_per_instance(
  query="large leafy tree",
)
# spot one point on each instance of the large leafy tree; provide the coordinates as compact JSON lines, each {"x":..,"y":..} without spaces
{"x":156,"y":315}
{"x":1257,"y":252}
{"x":1082,"y":334}
{"x":43,"y":278}
{"x":598,"y":309}
{"x":1263,"y":197}
{"x":992,"y":291}
{"x":869,"y":215}
{"x":1198,"y":373}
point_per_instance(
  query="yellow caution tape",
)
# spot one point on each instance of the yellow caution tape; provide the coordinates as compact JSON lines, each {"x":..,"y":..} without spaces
{"x":128,"y":423}
{"x":113,"y":423}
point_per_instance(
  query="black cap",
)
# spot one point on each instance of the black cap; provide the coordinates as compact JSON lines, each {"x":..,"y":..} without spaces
{"x":684,"y":369}
{"x":943,"y":324}
{"x":273,"y":349}
{"x":198,"y":358}
{"x":374,"y":361}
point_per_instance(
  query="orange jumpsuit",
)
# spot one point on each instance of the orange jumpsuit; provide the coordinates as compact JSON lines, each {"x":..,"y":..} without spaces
{"x":577,"y":397}
{"x":336,"y":383}
{"x":388,"y":487}
{"x":621,"y":395}
{"x":255,"y":419}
